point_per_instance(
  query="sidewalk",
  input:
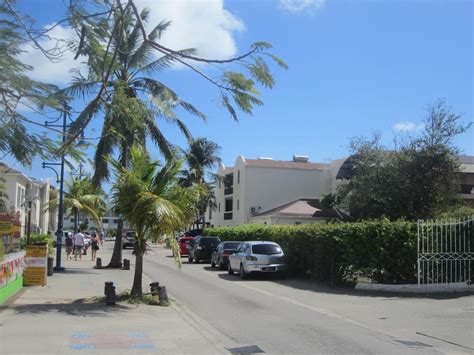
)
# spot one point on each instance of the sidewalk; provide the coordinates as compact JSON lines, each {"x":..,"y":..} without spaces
{"x":55,"y":319}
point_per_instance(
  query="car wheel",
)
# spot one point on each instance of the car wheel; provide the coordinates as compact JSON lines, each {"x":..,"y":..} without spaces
{"x":229,"y":269}
{"x":243,"y":275}
{"x":283,"y":275}
{"x":213,"y":264}
{"x":196,"y":260}
{"x":190,"y":259}
{"x":221,"y":266}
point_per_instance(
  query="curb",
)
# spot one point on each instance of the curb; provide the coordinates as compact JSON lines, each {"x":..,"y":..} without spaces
{"x":459,"y":287}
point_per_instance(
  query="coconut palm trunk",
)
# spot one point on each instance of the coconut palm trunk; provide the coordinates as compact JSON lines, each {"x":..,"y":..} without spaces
{"x":116,"y":260}
{"x":139,"y":250}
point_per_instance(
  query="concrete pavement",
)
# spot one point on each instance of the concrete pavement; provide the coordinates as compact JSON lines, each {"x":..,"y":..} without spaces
{"x":60,"y":318}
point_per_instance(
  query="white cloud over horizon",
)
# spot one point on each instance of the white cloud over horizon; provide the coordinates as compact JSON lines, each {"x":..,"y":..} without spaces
{"x":407,"y":127}
{"x":301,"y":6}
{"x":209,"y":28}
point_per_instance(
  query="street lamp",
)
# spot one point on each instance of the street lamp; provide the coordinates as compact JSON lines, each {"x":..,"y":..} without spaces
{"x":60,"y":180}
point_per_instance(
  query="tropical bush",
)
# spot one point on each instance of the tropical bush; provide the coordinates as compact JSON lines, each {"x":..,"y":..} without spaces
{"x":380,"y":250}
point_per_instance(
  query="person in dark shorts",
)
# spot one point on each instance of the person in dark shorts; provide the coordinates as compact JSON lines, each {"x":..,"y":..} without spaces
{"x":94,"y":246}
{"x":69,"y":246}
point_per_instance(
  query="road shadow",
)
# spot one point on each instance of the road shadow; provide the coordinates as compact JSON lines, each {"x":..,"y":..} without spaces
{"x":252,"y":277}
{"x":76,"y":308}
{"x":210,"y":268}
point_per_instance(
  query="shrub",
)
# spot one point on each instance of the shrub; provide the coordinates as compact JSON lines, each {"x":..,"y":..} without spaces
{"x":383,"y":251}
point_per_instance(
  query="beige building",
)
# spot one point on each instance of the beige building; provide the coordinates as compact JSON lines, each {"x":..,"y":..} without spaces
{"x":22,"y":190}
{"x":249,"y":190}
{"x":271,"y":191}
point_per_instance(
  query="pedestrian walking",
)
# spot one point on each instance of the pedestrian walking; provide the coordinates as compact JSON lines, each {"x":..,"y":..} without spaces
{"x":94,"y":246}
{"x":78,"y":245}
{"x":69,"y":245}
{"x":101,"y":239}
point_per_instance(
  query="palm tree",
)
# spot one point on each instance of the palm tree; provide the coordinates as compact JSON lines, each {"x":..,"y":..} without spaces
{"x":152,"y":201}
{"x":134,"y":99}
{"x":81,"y":197}
{"x":201,"y":156}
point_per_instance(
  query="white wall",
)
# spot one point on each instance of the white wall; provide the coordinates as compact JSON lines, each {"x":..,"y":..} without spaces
{"x":272,"y":187}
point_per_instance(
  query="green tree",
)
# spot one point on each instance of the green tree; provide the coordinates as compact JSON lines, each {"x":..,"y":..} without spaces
{"x":419,"y":179}
{"x":81,"y":196}
{"x":150,"y":198}
{"x":19,"y":93}
{"x":121,"y":84}
{"x":201,"y":156}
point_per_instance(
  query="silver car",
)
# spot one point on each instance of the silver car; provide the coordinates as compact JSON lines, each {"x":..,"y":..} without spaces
{"x":257,"y":256}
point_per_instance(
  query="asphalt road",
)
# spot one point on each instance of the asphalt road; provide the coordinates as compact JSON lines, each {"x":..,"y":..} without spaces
{"x":299,"y":317}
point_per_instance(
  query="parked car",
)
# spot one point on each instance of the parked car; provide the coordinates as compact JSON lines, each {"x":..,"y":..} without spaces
{"x":184,"y":245}
{"x":220,"y":257}
{"x":201,"y":248}
{"x":128,"y":240}
{"x":253,"y":257}
{"x":191,"y":233}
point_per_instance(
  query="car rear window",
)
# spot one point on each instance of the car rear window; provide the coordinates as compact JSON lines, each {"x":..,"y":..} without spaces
{"x":231,"y":245}
{"x":266,"y":249}
{"x":210,"y":241}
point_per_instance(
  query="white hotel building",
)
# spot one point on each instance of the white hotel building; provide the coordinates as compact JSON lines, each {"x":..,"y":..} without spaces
{"x":271,"y":191}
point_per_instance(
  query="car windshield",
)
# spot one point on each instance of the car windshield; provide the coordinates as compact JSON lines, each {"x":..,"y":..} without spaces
{"x":266,"y":249}
{"x":231,"y":245}
{"x":210,"y":241}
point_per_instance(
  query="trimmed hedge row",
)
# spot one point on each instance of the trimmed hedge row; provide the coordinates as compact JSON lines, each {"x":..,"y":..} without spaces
{"x":383,"y":251}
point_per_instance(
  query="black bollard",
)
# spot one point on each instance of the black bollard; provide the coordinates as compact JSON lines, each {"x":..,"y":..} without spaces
{"x":155,"y":291}
{"x":163,"y":295}
{"x":98,"y":263}
{"x":109,"y":291}
{"x":126,"y":264}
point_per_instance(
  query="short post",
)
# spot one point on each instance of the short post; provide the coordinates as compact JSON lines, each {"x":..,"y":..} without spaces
{"x":155,"y":291}
{"x":126,"y":264}
{"x":163,"y":295}
{"x":109,"y":291}
{"x":98,"y":263}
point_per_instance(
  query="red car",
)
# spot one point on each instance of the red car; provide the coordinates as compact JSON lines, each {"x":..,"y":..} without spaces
{"x":184,"y":244}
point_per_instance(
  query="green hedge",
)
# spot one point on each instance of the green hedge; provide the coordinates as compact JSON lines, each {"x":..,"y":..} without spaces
{"x":380,"y":250}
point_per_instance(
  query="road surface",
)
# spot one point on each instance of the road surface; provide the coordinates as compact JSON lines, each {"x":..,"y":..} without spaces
{"x":299,"y":317}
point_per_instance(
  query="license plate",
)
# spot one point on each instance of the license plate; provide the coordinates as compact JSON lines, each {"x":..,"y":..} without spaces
{"x":268,"y":269}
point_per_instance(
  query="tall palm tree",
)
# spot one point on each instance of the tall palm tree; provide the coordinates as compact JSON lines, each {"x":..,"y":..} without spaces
{"x":152,"y":201}
{"x":82,"y":197}
{"x":134,"y":98}
{"x":201,"y":156}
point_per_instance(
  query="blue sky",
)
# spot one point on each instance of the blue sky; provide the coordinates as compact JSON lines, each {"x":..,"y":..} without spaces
{"x":355,"y":67}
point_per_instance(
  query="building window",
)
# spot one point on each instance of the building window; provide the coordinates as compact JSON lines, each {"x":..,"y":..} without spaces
{"x":238,"y":176}
{"x":219,"y":208}
{"x":20,"y":195}
{"x":228,"y":205}
{"x":105,"y":220}
{"x":238,"y":204}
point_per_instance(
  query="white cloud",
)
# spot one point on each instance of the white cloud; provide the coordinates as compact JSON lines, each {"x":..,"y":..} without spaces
{"x":43,"y":69}
{"x":206,"y":26}
{"x":302,"y":6}
{"x":408,"y":126}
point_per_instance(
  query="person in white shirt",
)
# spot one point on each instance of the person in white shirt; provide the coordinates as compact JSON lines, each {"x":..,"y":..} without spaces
{"x":78,"y":245}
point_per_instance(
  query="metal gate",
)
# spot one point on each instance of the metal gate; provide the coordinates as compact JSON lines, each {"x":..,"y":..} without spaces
{"x":445,"y":251}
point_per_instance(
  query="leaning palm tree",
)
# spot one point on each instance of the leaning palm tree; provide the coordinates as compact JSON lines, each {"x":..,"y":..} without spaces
{"x":3,"y":195}
{"x":134,"y":98}
{"x":82,"y":197}
{"x":150,"y":198}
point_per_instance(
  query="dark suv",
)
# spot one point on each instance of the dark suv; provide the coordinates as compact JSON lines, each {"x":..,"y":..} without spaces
{"x":201,"y":248}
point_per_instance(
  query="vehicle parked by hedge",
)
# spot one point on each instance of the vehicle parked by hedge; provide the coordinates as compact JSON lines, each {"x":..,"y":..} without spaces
{"x":201,"y":248}
{"x":380,"y":250}
{"x":257,"y":257}
{"x":220,"y":257}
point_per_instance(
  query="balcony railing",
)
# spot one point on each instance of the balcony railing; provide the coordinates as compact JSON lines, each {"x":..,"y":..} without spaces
{"x":227,"y":215}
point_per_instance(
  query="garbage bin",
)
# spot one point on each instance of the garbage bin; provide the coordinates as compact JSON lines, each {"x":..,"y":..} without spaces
{"x":50,"y":265}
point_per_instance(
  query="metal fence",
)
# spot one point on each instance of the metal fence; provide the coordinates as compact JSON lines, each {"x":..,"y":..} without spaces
{"x":445,"y":251}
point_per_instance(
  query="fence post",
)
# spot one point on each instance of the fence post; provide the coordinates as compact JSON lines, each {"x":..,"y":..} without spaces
{"x":418,"y":250}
